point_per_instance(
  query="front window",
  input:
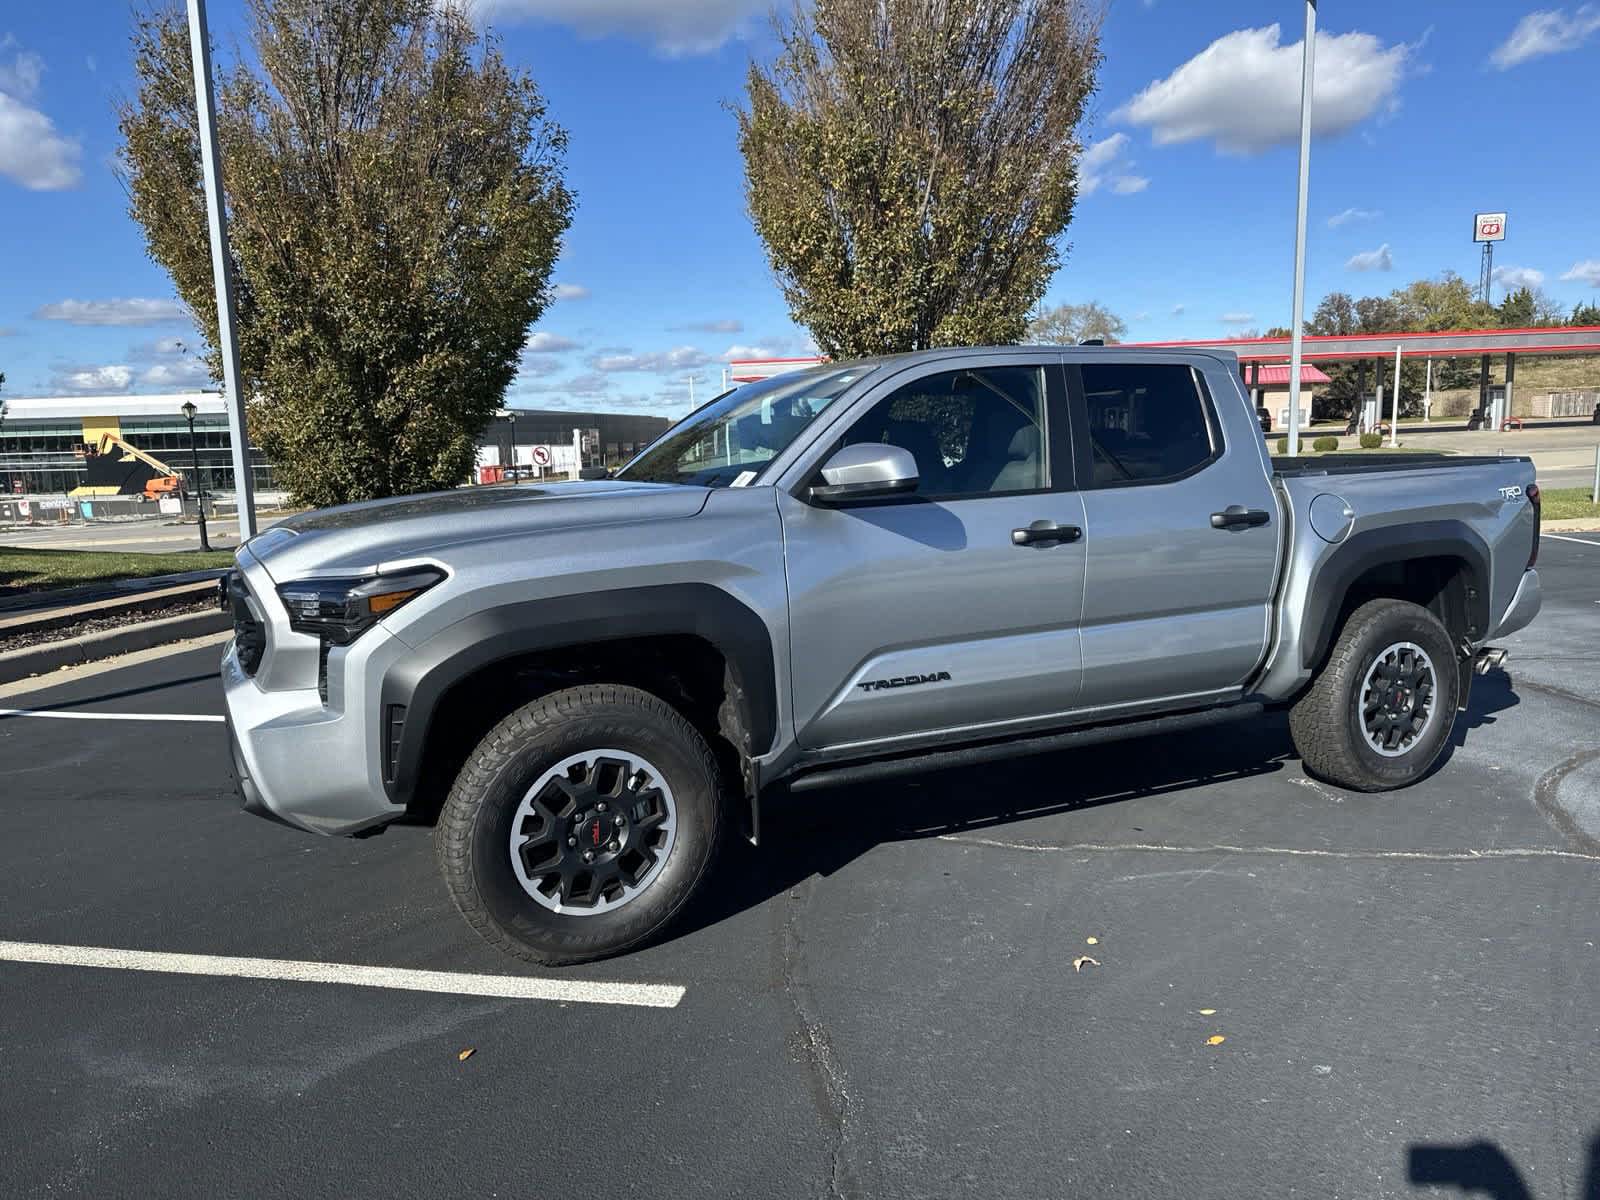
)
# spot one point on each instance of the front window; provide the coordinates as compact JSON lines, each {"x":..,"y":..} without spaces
{"x":731,"y":440}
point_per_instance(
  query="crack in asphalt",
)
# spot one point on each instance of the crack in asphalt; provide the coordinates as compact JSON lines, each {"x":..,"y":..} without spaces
{"x":1278,"y":851}
{"x":1546,"y":799}
{"x":829,"y":1089}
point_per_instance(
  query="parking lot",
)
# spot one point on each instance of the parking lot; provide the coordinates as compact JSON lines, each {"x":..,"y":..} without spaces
{"x":1294,"y":990}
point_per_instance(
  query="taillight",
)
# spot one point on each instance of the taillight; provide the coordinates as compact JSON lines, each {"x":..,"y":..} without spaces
{"x":1538,"y":521}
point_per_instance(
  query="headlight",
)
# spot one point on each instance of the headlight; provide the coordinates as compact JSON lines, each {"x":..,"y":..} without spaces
{"x":341,"y":610}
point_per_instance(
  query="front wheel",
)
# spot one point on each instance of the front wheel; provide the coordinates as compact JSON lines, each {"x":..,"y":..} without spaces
{"x":581,"y":825}
{"x":1378,"y":714}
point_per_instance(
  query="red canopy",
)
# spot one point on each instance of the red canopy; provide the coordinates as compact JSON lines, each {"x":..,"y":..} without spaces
{"x":1278,"y":375}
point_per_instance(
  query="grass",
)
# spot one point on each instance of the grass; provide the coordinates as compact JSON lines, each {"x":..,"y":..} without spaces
{"x":1563,"y":504}
{"x":37,"y":570}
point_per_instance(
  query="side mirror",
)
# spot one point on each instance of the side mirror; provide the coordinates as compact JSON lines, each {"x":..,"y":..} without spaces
{"x":867,"y":471}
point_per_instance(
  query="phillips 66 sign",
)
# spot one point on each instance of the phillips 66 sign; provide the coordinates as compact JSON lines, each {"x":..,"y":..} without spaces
{"x":1489,"y":227}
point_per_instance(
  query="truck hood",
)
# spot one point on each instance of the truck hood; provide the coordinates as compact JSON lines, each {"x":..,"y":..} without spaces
{"x":358,"y":538}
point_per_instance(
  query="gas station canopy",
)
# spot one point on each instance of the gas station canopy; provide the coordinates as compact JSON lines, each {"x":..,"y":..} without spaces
{"x":1568,"y":339}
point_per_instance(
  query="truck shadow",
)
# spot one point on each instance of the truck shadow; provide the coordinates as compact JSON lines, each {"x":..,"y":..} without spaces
{"x":1481,"y":1168}
{"x":822,"y":831}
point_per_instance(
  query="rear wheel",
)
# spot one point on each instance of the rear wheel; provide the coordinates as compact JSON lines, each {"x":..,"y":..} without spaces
{"x":1381,"y":709}
{"x":581,"y":825}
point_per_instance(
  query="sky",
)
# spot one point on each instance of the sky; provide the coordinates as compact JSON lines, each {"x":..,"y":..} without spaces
{"x":1428,"y":111}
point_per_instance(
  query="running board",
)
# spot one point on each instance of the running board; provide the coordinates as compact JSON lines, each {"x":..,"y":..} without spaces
{"x":966,"y":756}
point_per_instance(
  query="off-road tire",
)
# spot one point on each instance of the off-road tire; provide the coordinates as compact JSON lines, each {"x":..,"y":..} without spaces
{"x":474,"y":830}
{"x":1325,"y":723}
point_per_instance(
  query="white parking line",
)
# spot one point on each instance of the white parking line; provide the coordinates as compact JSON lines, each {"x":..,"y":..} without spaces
{"x":513,"y":987}
{"x":58,"y":715}
{"x":1562,"y":537}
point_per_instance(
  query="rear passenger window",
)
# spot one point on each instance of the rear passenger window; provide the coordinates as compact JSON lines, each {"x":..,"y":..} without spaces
{"x":1147,"y":422}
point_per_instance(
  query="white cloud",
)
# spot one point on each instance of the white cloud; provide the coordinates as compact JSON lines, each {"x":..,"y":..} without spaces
{"x":1141,"y":316}
{"x":541,"y":364}
{"x":114,"y":377}
{"x":1587,"y":271}
{"x":32,"y":152}
{"x":1106,"y":162}
{"x":1518,"y":277}
{"x":1351,"y":215}
{"x":184,"y":373}
{"x":19,"y":74}
{"x":570,"y":291}
{"x":547,"y":343}
{"x":737,"y":353}
{"x":675,"y":27}
{"x":1177,"y":310}
{"x":1243,"y":91}
{"x":726,"y":326}
{"x":680,"y":358}
{"x":1547,"y":31}
{"x":130,"y":311}
{"x":1371,"y":260}
{"x":1237,"y":318}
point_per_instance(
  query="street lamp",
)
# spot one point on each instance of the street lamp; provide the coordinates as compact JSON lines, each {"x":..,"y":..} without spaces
{"x":1307,"y":76}
{"x":194,"y":458}
{"x":512,"y":414}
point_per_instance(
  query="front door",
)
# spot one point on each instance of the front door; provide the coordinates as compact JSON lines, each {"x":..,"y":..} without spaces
{"x":921,"y":619}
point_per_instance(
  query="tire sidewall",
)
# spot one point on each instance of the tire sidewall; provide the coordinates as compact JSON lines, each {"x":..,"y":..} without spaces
{"x":508,"y":904}
{"x":1403,"y":623}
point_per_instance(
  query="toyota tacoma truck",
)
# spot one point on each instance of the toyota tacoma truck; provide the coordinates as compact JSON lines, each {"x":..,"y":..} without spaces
{"x":845,"y":574}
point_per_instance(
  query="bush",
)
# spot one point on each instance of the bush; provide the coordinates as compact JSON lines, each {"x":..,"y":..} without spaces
{"x":1324,"y":444}
{"x":1283,"y":445}
{"x":1371,"y":441}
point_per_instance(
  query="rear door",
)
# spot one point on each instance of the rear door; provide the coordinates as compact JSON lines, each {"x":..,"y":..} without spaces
{"x":1181,"y":529}
{"x":916,"y":619}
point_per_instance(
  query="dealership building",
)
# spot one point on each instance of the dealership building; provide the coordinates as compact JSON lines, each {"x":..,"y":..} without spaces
{"x":45,"y":442}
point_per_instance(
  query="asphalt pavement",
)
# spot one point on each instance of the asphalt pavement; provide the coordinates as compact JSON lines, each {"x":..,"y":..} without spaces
{"x":1296,"y":990}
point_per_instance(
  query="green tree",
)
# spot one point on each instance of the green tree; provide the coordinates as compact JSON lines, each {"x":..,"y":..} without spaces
{"x":1069,"y":324}
{"x":1586,"y":314}
{"x":911,"y":166}
{"x":396,"y":205}
{"x":1528,"y":308}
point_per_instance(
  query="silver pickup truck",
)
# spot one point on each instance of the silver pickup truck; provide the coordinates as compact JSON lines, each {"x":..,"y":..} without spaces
{"x":846,"y":574}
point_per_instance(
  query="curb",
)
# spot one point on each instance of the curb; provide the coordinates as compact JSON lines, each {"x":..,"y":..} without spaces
{"x":37,"y":660}
{"x":41,"y":620}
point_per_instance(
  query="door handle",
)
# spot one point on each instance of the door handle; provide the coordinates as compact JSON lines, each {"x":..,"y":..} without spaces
{"x":1045,"y":533}
{"x":1237,"y":516}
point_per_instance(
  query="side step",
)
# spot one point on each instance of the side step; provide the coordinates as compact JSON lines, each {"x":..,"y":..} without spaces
{"x":965,"y":756}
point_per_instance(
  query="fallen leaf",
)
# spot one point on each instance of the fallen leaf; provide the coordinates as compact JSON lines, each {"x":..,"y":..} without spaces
{"x":1216,"y":1039}
{"x":466,"y":1054}
{"x":1077,"y":963}
{"x":1208,"y":1012}
{"x":1094,"y":941}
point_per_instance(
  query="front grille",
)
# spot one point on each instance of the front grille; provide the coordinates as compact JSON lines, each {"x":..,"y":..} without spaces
{"x":249,"y":634}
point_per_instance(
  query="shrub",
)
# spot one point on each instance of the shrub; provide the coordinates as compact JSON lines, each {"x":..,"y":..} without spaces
{"x":1323,"y":444}
{"x":1283,"y":445}
{"x":1371,"y":441}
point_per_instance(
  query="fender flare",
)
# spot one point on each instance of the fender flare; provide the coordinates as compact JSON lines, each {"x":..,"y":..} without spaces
{"x":413,"y":686}
{"x":1334,"y":576}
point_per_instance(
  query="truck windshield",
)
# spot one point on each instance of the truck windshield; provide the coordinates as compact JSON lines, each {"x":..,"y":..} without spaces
{"x":732,"y":439}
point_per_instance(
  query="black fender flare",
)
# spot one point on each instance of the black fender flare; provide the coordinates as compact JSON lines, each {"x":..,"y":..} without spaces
{"x":414,"y":684}
{"x":1355,"y":556}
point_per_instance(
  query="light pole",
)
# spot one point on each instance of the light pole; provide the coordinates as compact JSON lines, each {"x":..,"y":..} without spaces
{"x":199,"y":483}
{"x":1307,"y":72}
{"x":511,"y":413}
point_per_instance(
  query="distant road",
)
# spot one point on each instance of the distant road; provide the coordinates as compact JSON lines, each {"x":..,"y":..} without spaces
{"x":134,"y":537}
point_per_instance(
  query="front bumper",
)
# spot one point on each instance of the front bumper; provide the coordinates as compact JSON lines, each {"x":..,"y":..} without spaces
{"x":1523,"y":608}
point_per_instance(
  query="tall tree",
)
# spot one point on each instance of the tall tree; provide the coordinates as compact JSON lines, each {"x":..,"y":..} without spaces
{"x":1069,"y":324}
{"x":1586,"y":314}
{"x":910,"y":166}
{"x":396,"y":205}
{"x":1528,"y":308}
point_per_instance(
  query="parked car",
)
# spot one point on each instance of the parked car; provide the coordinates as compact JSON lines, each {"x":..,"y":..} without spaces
{"x":843,"y":575}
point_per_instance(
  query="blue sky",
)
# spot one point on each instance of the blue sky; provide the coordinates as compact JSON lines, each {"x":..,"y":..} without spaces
{"x":1430,"y":111}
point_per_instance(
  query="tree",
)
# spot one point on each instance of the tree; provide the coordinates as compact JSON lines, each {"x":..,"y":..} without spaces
{"x":1069,"y":324}
{"x":1586,"y":314}
{"x":910,"y":166}
{"x":1528,"y":308}
{"x":1335,"y":315}
{"x":396,"y":205}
